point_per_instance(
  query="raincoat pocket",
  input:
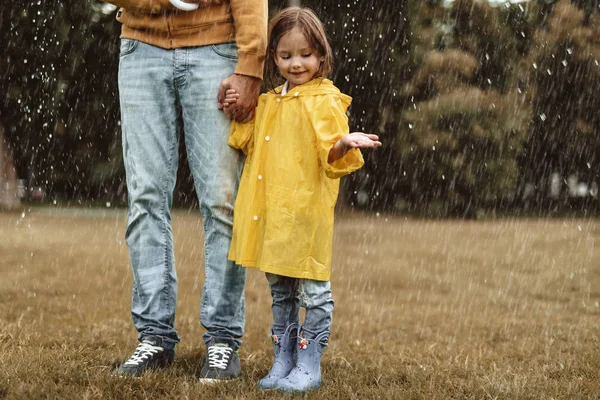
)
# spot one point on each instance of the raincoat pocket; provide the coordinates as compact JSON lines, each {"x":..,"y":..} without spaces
{"x":289,"y":219}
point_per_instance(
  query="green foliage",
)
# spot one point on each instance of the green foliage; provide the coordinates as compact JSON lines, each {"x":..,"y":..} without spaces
{"x":564,"y":78}
{"x":462,"y":147}
{"x":463,"y":130}
{"x":60,"y":107}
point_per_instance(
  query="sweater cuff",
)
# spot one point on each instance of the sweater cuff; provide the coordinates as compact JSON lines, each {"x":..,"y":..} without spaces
{"x":250,"y":65}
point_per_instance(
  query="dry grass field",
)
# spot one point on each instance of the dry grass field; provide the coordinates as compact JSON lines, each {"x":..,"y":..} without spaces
{"x":446,"y":309}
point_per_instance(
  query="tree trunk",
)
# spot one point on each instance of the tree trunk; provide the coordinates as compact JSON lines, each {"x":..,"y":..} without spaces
{"x":9,"y":189}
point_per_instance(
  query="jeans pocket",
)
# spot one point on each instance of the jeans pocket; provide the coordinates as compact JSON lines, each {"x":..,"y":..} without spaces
{"x":226,"y":50}
{"x":127,"y":46}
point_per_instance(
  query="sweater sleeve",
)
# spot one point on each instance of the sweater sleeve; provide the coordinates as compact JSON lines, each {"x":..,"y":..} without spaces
{"x":330,"y":123}
{"x":250,"y":20}
{"x":145,"y":6}
{"x":241,"y":136}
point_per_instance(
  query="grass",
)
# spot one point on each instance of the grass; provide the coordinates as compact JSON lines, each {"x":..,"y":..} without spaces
{"x":497,"y":309}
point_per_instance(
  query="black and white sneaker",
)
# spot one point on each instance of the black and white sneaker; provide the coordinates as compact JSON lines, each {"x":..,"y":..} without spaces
{"x":148,"y":355}
{"x":222,"y":361}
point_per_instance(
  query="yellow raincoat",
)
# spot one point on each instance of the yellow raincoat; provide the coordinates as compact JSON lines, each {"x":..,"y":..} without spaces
{"x":283,"y":218}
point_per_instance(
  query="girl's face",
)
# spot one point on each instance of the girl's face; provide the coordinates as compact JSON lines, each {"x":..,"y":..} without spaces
{"x":296,"y":60}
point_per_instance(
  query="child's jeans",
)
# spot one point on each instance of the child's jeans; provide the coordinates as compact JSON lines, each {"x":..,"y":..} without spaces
{"x":289,"y":294}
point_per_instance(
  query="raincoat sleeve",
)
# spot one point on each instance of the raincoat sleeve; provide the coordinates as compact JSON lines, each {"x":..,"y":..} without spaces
{"x":330,"y":123}
{"x":241,"y":136}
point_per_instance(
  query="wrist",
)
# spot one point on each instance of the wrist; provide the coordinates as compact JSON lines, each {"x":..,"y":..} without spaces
{"x":336,"y":152}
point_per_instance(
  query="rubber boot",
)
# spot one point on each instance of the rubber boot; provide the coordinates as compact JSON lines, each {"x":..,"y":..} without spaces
{"x":284,"y":348}
{"x":306,"y":375}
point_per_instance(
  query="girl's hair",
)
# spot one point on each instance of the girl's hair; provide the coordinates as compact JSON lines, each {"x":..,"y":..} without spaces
{"x":312,"y":28}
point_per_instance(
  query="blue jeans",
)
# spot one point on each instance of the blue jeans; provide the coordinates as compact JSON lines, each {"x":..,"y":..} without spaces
{"x":158,"y":90}
{"x":289,"y":294}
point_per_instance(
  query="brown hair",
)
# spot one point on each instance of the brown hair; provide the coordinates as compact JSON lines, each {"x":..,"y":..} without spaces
{"x":312,"y":28}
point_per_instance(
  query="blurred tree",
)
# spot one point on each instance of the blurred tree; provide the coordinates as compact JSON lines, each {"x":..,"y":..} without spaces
{"x":59,"y":106}
{"x":564,"y":71}
{"x":9,"y":186}
{"x":465,"y":125}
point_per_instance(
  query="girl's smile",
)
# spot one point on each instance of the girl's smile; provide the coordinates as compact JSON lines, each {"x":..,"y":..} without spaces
{"x":297,"y":61}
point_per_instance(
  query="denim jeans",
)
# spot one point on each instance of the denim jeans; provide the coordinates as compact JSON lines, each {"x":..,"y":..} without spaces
{"x":289,"y":294}
{"x":159,"y":89}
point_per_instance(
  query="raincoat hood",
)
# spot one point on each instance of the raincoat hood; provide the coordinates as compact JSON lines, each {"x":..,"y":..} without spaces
{"x":315,"y":87}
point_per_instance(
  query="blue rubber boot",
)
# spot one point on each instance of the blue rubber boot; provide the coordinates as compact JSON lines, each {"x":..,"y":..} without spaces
{"x":306,"y":375}
{"x":284,"y":347}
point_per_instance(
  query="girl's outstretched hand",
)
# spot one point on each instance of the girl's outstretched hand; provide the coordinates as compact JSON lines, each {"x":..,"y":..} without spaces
{"x":354,"y":140}
{"x":361,"y":140}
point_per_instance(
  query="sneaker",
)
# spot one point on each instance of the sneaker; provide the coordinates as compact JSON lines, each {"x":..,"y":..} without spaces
{"x":222,"y":361}
{"x":148,"y":355}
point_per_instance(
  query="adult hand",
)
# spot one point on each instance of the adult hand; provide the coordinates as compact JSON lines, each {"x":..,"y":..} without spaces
{"x":248,"y":88}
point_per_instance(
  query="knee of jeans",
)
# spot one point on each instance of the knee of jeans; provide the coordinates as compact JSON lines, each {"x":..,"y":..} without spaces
{"x":149,"y":196}
{"x":218,"y":219}
{"x":147,"y":204}
{"x":315,"y":294}
{"x":218,"y":206}
{"x":136,"y":212}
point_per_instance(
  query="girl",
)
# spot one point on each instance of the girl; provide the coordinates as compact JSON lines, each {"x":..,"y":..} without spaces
{"x":297,"y":147}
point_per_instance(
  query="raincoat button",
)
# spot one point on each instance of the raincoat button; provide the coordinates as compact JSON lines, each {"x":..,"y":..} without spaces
{"x":267,"y":138}
{"x":256,"y":217}
{"x":260,"y":177}
{"x":296,"y":94}
{"x":279,"y":100}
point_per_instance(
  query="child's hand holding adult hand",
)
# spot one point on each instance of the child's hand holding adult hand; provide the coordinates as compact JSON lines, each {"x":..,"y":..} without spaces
{"x":231,"y":96}
{"x":248,"y":88}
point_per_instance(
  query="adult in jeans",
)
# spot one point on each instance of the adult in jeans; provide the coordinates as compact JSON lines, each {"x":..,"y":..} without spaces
{"x":172,"y":64}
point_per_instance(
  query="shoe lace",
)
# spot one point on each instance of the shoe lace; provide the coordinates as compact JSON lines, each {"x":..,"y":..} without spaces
{"x":218,"y":356}
{"x":142,"y":352}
